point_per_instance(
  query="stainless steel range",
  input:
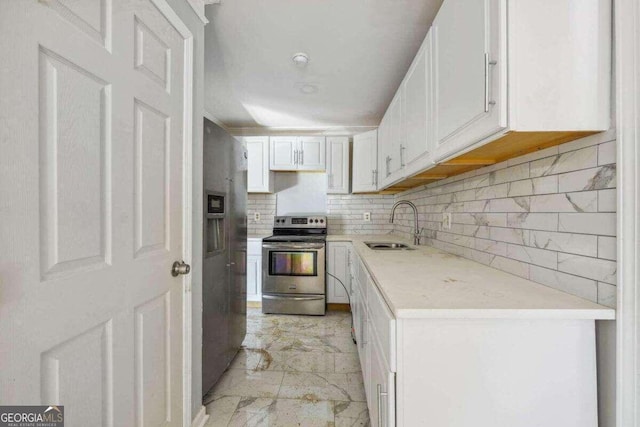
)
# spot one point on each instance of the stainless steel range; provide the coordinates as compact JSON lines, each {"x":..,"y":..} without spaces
{"x":293,"y":266}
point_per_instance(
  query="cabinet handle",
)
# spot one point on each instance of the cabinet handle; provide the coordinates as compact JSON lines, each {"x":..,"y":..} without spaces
{"x":402,"y":148}
{"x":487,"y":63}
{"x":388,"y":160}
{"x":302,"y":157}
{"x":373,"y":177}
{"x":295,"y":157}
{"x":381,"y":394}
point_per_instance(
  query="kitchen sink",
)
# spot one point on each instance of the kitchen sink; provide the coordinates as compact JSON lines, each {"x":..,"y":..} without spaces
{"x":388,"y":246}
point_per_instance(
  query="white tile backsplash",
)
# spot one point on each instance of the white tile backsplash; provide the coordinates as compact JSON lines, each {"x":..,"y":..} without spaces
{"x":548,"y":216}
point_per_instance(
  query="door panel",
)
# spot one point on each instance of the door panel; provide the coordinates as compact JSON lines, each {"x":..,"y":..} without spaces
{"x":153,"y":379}
{"x":151,"y":179}
{"x":91,"y":177}
{"x":60,"y":380}
{"x":75,"y":109}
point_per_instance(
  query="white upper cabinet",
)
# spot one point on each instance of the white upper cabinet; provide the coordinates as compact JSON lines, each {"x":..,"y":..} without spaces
{"x":492,"y":82}
{"x":469,"y":64}
{"x":284,"y":153}
{"x":311,"y":153}
{"x":338,"y":165}
{"x":417,"y":111}
{"x":391,"y":144}
{"x":297,"y":153}
{"x":365,"y":162}
{"x":259,"y":177}
{"x":554,"y":77}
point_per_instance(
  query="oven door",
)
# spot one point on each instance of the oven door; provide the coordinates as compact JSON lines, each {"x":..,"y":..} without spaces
{"x":293,"y":268}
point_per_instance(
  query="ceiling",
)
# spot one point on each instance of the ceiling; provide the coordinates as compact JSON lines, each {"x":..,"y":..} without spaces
{"x":359,"y":51}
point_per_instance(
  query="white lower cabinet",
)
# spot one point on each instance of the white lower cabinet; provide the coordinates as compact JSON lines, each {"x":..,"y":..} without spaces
{"x":452,"y":370}
{"x":338,"y":266}
{"x":381,"y":383}
{"x":254,"y":269}
{"x":375,"y":349}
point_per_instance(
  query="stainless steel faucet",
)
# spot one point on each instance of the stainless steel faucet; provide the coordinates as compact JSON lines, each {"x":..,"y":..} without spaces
{"x":416,"y":231}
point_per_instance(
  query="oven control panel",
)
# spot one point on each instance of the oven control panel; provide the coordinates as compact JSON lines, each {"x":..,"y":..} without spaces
{"x":316,"y":221}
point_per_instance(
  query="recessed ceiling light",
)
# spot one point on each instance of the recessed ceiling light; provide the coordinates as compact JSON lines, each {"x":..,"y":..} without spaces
{"x":309,"y":89}
{"x":301,"y":59}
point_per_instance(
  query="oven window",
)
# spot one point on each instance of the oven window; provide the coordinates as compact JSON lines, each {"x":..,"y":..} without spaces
{"x":293,"y":263}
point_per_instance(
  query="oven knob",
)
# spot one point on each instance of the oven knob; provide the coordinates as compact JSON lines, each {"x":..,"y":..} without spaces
{"x":322,"y":220}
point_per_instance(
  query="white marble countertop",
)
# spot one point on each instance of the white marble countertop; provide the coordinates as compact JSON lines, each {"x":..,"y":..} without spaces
{"x":429,"y":283}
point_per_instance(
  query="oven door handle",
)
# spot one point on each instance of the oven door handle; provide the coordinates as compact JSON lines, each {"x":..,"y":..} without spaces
{"x":292,"y":298}
{"x":293,"y":245}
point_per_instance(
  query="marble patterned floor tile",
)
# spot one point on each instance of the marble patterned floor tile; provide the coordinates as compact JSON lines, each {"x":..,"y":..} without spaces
{"x":326,"y":330}
{"x":246,"y":359}
{"x":292,"y":361}
{"x":292,"y":371}
{"x":259,"y":341}
{"x":320,"y":386}
{"x":349,"y":414}
{"x":283,"y":413}
{"x":303,"y":343}
{"x":221,"y":409}
{"x":236,"y":382}
{"x":347,"y":363}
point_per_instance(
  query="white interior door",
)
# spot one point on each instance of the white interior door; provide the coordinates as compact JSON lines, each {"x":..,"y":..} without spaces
{"x":91,"y":176}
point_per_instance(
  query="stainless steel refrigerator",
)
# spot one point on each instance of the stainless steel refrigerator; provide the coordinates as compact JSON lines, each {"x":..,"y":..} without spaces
{"x":224,"y":278}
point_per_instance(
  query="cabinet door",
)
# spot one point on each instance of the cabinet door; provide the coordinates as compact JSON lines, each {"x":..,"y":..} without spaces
{"x":396,"y":134}
{"x":381,"y":387}
{"x":312,"y":153}
{"x":384,"y":151}
{"x":362,"y":341}
{"x":338,"y":165}
{"x":470,"y":101}
{"x":284,"y":153}
{"x":365,"y":162}
{"x":254,"y":277}
{"x":259,"y":177}
{"x":417,"y":117}
{"x":338,"y":265}
{"x":390,"y":144}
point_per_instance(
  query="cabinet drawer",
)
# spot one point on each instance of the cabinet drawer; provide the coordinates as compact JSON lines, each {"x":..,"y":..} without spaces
{"x":254,"y":246}
{"x":383,"y":324}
